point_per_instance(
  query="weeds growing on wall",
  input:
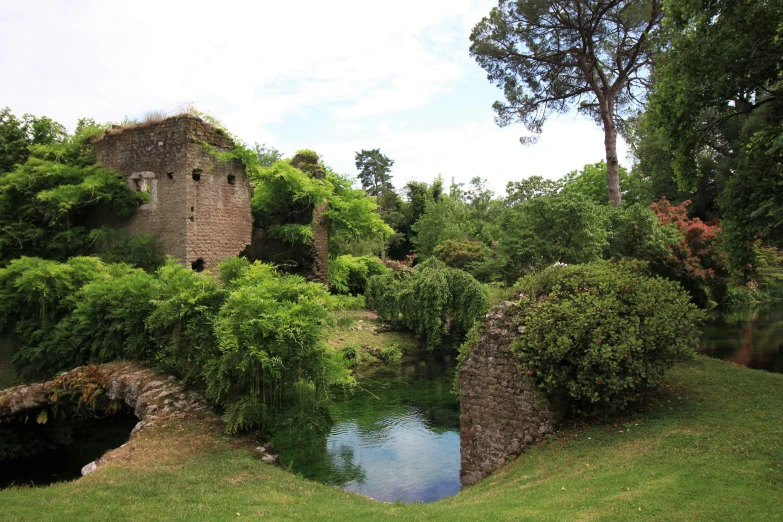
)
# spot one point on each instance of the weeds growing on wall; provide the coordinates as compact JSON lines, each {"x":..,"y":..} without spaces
{"x":432,"y":300}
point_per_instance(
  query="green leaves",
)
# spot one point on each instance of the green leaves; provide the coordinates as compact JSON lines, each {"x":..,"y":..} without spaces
{"x":601,"y":334}
{"x":45,"y":202}
{"x":428,"y":298}
{"x":253,"y":340}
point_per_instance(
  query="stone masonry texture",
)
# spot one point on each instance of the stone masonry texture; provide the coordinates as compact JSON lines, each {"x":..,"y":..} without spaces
{"x":503,"y":412}
{"x":199,"y":207}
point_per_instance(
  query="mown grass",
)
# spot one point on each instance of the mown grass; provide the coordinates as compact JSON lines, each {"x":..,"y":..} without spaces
{"x":710,"y":448}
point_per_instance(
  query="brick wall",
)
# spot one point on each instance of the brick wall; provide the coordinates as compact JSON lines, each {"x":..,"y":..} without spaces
{"x":208,"y":218}
{"x":502,"y":411}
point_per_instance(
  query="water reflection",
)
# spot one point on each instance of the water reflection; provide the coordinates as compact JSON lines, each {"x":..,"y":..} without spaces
{"x":396,"y":437}
{"x":750,"y":337}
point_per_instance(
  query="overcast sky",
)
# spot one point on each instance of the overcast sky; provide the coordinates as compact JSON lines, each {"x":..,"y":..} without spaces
{"x":335,"y":77}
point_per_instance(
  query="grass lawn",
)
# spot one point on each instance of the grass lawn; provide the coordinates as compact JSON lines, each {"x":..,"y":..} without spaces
{"x":710,"y":449}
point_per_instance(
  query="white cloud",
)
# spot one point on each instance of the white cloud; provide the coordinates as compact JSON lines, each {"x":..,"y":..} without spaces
{"x":364,"y":71}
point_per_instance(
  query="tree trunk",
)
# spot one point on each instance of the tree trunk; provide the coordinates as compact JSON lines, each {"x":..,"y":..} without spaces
{"x":612,"y":164}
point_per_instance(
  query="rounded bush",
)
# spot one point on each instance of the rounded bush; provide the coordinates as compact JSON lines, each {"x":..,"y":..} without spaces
{"x":602,"y":333}
{"x":460,"y":254}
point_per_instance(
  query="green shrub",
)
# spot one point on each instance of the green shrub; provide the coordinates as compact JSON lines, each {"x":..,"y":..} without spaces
{"x":119,"y":246}
{"x":767,"y":284}
{"x":349,"y":274}
{"x":253,"y":339}
{"x":181,"y":323}
{"x":272,"y":355}
{"x":35,"y":294}
{"x":349,"y":354}
{"x":427,"y":299}
{"x":389,"y":353}
{"x":602,"y":333}
{"x":47,"y":202}
{"x":461,"y":254}
{"x":108,"y":321}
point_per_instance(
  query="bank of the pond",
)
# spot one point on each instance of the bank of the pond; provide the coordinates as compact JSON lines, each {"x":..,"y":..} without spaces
{"x":710,"y":449}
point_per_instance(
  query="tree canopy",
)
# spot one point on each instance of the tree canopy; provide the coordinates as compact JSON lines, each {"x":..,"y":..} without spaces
{"x":551,"y":56}
{"x":375,"y":175}
{"x":717,"y":108}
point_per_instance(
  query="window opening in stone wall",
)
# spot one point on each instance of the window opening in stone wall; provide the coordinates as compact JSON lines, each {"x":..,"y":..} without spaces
{"x":192,"y":209}
{"x":197,"y":174}
{"x":170,"y":175}
{"x":143,"y":187}
{"x":231,"y":179}
{"x":198,"y":265}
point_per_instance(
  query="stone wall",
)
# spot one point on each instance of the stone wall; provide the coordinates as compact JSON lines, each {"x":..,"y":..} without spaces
{"x":503,"y":412}
{"x":155,"y":399}
{"x":199,"y":207}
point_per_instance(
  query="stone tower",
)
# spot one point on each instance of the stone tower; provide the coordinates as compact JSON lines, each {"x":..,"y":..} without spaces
{"x":199,"y":207}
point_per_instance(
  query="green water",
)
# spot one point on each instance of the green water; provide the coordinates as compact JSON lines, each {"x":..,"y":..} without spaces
{"x":751,"y":337}
{"x":395,"y":438}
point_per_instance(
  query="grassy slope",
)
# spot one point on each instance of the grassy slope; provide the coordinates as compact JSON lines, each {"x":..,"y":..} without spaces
{"x":713,"y":453}
{"x":363,"y":330}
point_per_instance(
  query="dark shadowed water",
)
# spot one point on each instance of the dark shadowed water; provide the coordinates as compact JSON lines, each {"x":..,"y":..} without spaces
{"x":395,"y":438}
{"x":750,"y":337}
{"x":91,"y":438}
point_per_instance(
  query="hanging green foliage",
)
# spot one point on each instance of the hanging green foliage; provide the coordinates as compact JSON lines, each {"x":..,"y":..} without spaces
{"x":252,"y":339}
{"x":432,"y":300}
{"x":45,"y":202}
{"x":272,"y":355}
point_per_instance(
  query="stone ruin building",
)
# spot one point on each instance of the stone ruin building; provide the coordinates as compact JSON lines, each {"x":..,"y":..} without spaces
{"x":199,"y":206}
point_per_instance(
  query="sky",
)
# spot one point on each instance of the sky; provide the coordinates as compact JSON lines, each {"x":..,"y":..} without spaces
{"x":335,"y":77}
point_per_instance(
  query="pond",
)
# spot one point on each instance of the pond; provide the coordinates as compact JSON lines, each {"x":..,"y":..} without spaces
{"x":751,"y":337}
{"x":90,"y":439}
{"x":395,"y":438}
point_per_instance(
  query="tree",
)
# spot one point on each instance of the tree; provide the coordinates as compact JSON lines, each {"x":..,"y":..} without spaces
{"x":46,"y":202}
{"x":532,"y":187}
{"x":569,"y":228}
{"x":552,"y":55}
{"x":375,"y":175}
{"x":267,"y":156}
{"x":16,"y":137}
{"x":718,"y":105}
{"x":355,"y":226}
{"x":591,"y":182}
